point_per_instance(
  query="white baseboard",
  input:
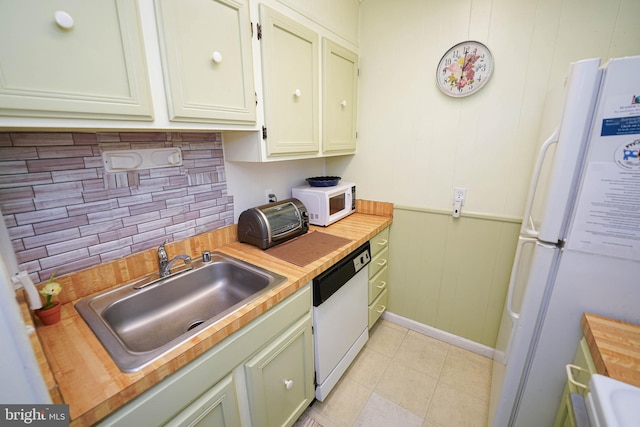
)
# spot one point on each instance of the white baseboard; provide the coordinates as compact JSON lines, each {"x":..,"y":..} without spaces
{"x":440,"y":335}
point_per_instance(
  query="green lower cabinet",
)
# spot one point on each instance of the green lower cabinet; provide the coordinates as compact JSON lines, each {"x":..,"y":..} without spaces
{"x":217,"y":407}
{"x":581,"y":370}
{"x":378,"y":276}
{"x":378,"y":307}
{"x":262,"y":375}
{"x":280,"y":377}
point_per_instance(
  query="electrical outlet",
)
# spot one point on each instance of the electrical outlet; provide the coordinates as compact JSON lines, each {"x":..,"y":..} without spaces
{"x":270,"y":196}
{"x":459,"y":195}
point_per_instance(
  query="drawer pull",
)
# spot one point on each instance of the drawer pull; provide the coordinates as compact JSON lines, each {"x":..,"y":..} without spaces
{"x":288,"y":384}
{"x":382,"y":262}
{"x":382,"y":309}
{"x":569,"y":367}
{"x":383,"y":242}
{"x":381,"y":285}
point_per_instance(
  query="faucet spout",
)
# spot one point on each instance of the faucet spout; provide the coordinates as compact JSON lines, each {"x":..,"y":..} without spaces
{"x":167,"y":268}
{"x":164,"y":264}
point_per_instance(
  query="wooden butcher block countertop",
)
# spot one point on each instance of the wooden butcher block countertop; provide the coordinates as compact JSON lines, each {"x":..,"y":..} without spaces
{"x":615,"y":347}
{"x":79,"y":372}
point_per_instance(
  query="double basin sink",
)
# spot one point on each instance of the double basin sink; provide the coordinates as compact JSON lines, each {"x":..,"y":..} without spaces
{"x":140,"y":321}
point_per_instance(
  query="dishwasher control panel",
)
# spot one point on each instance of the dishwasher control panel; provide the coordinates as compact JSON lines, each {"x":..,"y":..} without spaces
{"x":362,"y":260}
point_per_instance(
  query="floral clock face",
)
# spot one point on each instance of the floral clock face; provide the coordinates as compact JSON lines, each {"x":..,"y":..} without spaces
{"x":464,"y":69}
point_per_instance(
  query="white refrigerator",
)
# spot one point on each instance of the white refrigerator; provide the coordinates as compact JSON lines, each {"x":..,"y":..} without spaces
{"x":579,"y":246}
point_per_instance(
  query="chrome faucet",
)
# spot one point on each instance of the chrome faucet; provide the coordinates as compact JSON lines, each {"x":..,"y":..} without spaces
{"x":165,"y":265}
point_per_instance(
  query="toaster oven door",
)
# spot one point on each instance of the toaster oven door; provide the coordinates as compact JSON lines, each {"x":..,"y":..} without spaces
{"x":284,"y":220}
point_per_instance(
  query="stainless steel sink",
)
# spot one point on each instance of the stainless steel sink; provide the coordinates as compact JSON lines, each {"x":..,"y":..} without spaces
{"x":140,"y":321}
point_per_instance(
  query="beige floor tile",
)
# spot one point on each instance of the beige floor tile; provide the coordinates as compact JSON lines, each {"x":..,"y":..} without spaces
{"x":422,"y":353}
{"x":418,"y":381}
{"x":407,"y":387}
{"x":380,"y":412}
{"x":481,"y":360}
{"x":467,"y":372}
{"x":451,"y":407}
{"x":319,"y":418}
{"x":393,"y":325}
{"x":368,"y":367}
{"x":385,"y":339}
{"x":344,"y":403}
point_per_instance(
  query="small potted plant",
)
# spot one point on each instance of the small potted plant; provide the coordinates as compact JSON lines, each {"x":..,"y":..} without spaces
{"x":50,"y":311}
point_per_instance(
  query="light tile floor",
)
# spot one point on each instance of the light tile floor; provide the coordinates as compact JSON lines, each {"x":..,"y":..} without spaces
{"x":404,"y":378}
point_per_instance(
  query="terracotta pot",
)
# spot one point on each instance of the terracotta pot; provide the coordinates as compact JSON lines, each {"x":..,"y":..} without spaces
{"x":50,"y":315}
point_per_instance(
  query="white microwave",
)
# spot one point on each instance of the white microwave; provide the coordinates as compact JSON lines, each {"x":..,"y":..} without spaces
{"x":327,"y":205}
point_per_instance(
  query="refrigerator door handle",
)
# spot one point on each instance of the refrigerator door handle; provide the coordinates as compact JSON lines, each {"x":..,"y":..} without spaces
{"x":531,"y":229}
{"x":514,"y":275}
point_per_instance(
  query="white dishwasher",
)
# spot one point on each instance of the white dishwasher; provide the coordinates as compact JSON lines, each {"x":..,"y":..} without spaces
{"x":340,"y":317}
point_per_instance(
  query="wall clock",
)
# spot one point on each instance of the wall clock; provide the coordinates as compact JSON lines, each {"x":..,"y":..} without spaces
{"x":464,"y":69}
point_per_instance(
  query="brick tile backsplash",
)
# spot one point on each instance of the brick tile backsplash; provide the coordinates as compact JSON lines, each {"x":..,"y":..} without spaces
{"x":64,"y":212}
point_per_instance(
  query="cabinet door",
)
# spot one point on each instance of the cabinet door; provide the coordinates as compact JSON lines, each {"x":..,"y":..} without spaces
{"x":218,"y":407}
{"x":290,"y":80}
{"x":280,"y":377}
{"x":73,"y":59}
{"x":207,"y":61}
{"x":339,"y":98}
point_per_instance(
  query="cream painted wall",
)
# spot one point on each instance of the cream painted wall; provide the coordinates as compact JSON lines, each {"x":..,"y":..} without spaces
{"x":415,"y":144}
{"x":425,"y":143}
{"x":247,"y":181}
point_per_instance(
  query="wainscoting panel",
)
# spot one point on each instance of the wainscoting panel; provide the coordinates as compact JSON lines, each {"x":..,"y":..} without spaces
{"x":451,"y":273}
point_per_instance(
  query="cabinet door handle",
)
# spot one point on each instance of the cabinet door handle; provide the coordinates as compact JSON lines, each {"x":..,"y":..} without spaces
{"x":382,"y":309}
{"x":288,"y":384}
{"x":381,"y":285}
{"x":63,"y":19}
{"x":382,"y":262}
{"x":297,"y":93}
{"x":344,"y":103}
{"x":569,"y":367}
{"x":217,"y":57}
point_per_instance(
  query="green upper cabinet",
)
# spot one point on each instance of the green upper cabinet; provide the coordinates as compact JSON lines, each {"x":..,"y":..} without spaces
{"x":73,"y":59}
{"x":339,"y":98}
{"x":309,"y":86}
{"x":290,"y":83}
{"x":206,"y":55}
